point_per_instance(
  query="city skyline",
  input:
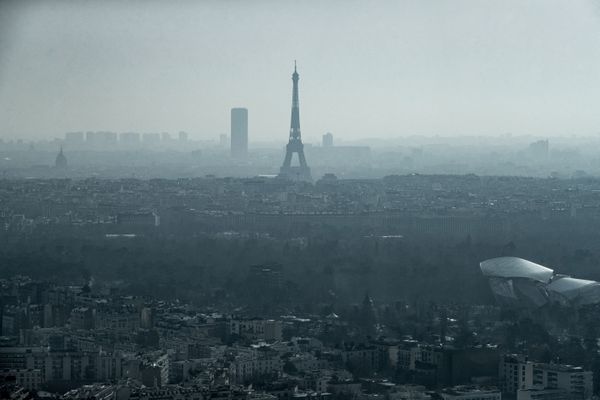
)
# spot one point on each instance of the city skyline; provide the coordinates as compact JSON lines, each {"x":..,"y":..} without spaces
{"x":452,"y":68}
{"x":425,"y":229}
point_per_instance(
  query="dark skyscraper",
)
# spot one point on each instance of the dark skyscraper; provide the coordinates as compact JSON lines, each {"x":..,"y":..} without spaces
{"x":301,"y":172}
{"x":239,"y":132}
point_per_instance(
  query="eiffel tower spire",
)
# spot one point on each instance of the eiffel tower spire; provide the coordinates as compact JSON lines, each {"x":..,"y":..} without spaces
{"x":302,"y":171}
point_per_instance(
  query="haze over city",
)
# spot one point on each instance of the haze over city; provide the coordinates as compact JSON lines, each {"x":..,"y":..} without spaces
{"x":385,"y":70}
{"x":278,"y":200}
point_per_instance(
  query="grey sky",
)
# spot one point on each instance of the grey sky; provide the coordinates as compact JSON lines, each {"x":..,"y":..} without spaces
{"x":367,"y":69}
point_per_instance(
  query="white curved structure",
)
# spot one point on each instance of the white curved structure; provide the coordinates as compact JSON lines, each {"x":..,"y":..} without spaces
{"x":514,"y":267}
{"x":517,"y":281}
{"x":572,"y":290}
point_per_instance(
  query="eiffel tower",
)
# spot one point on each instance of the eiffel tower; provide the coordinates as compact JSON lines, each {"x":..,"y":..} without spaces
{"x":302,"y":171}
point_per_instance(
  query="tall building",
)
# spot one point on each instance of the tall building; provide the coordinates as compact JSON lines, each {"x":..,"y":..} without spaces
{"x":101,"y":139}
{"x":239,"y":132}
{"x":151,"y":139}
{"x":528,"y":379}
{"x":90,"y":137}
{"x":74,"y":137}
{"x":328,"y":140}
{"x":129,"y":138}
{"x":540,"y":149}
{"x":302,"y":171}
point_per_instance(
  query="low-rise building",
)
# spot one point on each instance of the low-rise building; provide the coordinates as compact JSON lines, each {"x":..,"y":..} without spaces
{"x":470,"y":393}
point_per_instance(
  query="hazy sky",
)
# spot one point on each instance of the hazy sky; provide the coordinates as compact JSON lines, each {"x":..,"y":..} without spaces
{"x":367,"y":68}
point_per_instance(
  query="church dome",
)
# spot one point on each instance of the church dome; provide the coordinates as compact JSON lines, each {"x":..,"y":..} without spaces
{"x":61,"y":160}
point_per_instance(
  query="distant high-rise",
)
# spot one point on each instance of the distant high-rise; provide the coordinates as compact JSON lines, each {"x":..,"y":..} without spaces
{"x":74,"y":137}
{"x":151,"y":139}
{"x":540,"y":149}
{"x":183,"y":136}
{"x":101,"y":138}
{"x":239,"y":132}
{"x":328,"y":139}
{"x":90,"y":137}
{"x":301,"y":172}
{"x":129,"y":138}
